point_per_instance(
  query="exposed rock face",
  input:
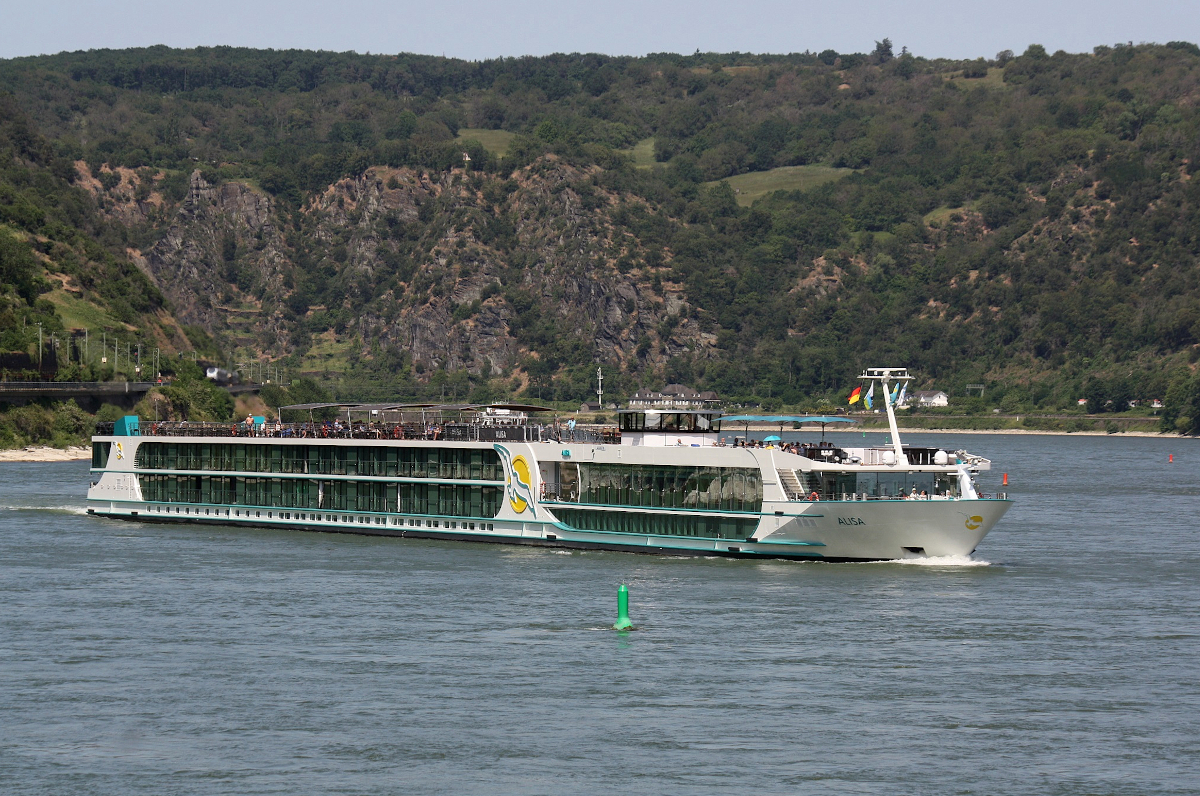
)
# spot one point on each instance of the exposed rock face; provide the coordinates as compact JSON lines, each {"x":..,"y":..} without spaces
{"x":222,"y":262}
{"x":462,"y":271}
{"x":124,"y":201}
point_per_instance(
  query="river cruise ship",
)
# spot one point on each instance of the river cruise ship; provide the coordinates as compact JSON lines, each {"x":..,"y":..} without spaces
{"x":668,"y":482}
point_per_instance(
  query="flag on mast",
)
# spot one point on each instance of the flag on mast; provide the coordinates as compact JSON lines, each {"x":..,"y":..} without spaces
{"x":903,"y":392}
{"x":854,"y":396}
{"x":870,"y":394}
{"x":895,"y":395}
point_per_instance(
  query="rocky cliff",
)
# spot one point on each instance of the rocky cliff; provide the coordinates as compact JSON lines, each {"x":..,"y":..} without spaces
{"x":458,"y":270}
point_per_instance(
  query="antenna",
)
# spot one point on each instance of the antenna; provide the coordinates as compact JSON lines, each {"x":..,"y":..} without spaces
{"x":885,"y":376}
{"x":600,"y":387}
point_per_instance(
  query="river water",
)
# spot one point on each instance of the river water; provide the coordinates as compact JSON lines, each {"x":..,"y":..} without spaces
{"x":1064,"y":658}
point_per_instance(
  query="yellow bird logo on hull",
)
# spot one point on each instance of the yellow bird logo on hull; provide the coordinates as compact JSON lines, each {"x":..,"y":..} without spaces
{"x":518,"y":481}
{"x":974,"y":522}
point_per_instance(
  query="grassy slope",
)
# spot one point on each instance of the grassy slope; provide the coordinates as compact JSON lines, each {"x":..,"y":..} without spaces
{"x":994,"y":79}
{"x":941,"y":215}
{"x":642,"y":153}
{"x":327,"y":354}
{"x":494,"y":141}
{"x":757,"y":184}
{"x":78,"y":313}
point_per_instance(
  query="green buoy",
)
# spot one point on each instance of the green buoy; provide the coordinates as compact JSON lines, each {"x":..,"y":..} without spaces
{"x":623,"y":622}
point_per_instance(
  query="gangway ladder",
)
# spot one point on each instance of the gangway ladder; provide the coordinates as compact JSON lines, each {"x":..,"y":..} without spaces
{"x":791,"y":485}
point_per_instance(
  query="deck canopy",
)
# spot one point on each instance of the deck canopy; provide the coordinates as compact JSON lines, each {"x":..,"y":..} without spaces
{"x":414,"y":407}
{"x":822,"y":419}
{"x":782,"y":420}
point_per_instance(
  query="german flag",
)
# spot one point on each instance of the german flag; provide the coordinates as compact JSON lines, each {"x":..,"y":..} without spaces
{"x":854,"y":396}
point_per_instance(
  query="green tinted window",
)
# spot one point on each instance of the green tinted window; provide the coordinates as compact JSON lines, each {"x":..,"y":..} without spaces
{"x":448,"y":463}
{"x":656,"y":486}
{"x":100,"y":454}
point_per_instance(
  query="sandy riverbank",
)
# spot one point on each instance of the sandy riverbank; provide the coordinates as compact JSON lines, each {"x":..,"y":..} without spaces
{"x":1032,"y":432}
{"x":44,"y":454}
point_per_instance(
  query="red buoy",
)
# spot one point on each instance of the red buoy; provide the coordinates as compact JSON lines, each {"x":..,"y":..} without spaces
{"x":1006,"y":479}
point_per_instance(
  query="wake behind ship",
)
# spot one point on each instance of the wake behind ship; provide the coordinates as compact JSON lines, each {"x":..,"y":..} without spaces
{"x":666,"y":483}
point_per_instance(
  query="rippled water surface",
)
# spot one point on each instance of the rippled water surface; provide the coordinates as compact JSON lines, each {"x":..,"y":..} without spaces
{"x":159,"y":659}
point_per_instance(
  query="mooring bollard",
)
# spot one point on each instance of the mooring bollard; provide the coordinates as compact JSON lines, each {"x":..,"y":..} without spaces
{"x":623,"y":622}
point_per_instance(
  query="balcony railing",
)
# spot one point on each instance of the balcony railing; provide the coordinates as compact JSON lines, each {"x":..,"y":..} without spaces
{"x":450,"y":432}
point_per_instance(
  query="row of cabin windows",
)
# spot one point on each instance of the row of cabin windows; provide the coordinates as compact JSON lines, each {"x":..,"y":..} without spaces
{"x":342,"y":518}
{"x":692,"y":525}
{"x":452,"y":500}
{"x":711,"y":488}
{"x":468,"y":464}
{"x":832,"y":485}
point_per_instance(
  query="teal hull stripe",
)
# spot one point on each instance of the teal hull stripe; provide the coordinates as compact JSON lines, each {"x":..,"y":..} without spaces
{"x":293,"y":509}
{"x":569,"y":529}
{"x":456,"y":531}
{"x":618,"y":507}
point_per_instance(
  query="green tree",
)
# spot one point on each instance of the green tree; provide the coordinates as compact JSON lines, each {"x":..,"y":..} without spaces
{"x":1096,"y":394}
{"x":1181,"y":407}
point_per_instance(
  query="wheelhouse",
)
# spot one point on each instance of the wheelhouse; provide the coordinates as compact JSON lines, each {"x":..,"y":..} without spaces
{"x":680,"y":427}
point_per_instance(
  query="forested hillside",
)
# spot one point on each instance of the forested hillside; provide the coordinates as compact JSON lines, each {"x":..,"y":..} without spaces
{"x":411,"y":225}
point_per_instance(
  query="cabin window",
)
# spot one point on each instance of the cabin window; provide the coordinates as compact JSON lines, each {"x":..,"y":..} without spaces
{"x":455,"y":500}
{"x":100,"y":453}
{"x":701,"y":488}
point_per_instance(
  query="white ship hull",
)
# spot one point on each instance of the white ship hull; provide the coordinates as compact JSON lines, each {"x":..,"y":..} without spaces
{"x":538,"y":509}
